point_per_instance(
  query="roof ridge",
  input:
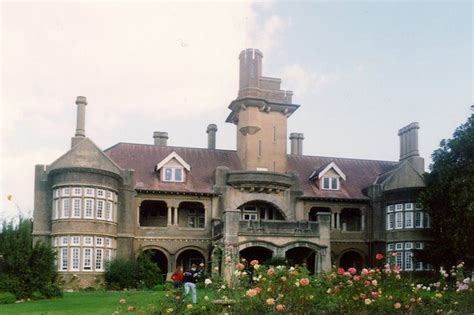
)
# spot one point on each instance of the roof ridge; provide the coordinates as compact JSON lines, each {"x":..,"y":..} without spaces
{"x":168,"y":146}
{"x":342,"y":158}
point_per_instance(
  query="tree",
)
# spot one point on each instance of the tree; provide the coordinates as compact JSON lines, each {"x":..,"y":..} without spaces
{"x":449,"y":200}
{"x":24,"y":267}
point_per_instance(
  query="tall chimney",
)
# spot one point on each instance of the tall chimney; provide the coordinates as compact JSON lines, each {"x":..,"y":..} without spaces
{"x":300,"y":143}
{"x":211,"y":136}
{"x":161,"y":138}
{"x":409,"y":141}
{"x":296,"y":143}
{"x":81,"y":102}
{"x":409,"y":146}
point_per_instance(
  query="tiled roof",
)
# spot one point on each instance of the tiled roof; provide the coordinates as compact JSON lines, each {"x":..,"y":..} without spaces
{"x":143,"y":158}
{"x":359,"y":174}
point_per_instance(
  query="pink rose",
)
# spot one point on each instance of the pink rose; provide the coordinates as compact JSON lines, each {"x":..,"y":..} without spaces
{"x":352,"y":270}
{"x":340,"y":271}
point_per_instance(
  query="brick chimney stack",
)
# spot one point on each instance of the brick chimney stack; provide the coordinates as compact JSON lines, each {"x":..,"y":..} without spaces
{"x":296,"y":143}
{"x":211,"y":136}
{"x":81,"y":102}
{"x":161,"y":138}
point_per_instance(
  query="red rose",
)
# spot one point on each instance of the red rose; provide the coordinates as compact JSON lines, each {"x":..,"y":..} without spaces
{"x":379,"y":256}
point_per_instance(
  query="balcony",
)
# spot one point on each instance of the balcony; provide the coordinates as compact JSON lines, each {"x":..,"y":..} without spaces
{"x":278,"y":228}
{"x":259,"y":180}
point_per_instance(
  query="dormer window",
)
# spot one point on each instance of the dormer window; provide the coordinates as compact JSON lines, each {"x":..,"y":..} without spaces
{"x":330,"y":183}
{"x":329,"y":177}
{"x":172,"y":168}
{"x":172,"y":174}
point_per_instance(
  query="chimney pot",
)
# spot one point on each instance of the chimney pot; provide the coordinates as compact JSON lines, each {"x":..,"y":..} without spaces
{"x":161,"y":138}
{"x":211,"y":136}
{"x":81,"y":100}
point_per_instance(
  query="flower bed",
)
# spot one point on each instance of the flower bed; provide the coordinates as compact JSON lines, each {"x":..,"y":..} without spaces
{"x":256,"y":289}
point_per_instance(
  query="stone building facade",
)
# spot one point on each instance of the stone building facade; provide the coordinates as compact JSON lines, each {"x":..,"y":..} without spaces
{"x":182,"y":204}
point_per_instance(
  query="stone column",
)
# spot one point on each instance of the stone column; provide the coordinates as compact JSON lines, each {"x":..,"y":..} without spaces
{"x":169,"y":215}
{"x":362,"y":222}
{"x":338,"y":220}
{"x":176,"y":216}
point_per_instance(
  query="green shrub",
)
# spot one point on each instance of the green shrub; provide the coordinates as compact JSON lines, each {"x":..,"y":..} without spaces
{"x":121,"y":274}
{"x":163,"y":286}
{"x":25,"y":267}
{"x":148,"y":273}
{"x":142,"y":273}
{"x":52,"y":290}
{"x":7,"y":298}
{"x":37,"y":295}
{"x":277,"y":261}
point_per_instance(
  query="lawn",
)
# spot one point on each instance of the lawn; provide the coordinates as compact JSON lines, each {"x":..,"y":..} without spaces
{"x":99,"y":302}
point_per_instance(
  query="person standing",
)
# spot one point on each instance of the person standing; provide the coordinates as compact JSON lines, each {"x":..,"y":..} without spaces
{"x":177,"y":277}
{"x":190,"y":278}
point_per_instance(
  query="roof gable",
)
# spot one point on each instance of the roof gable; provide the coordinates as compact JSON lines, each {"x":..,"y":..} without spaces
{"x":319,"y":173}
{"x":404,"y":176}
{"x":173,"y":155}
{"x":86,"y":154}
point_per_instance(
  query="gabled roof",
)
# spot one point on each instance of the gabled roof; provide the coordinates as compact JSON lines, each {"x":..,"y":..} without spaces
{"x":86,"y":154}
{"x":359,"y":175}
{"x":320,"y":172}
{"x":142,"y":158}
{"x":173,"y":155}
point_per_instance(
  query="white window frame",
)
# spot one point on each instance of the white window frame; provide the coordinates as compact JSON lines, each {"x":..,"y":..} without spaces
{"x":399,"y":259}
{"x":419,"y":245}
{"x":87,"y":258}
{"x":390,"y":208}
{"x":76,"y":191}
{"x":99,"y":259}
{"x":64,"y":240}
{"x":109,"y":195}
{"x":390,"y":221}
{"x":398,"y":220}
{"x":86,"y":215}
{"x":409,"y":206}
{"x":100,"y":209}
{"x":409,"y":220}
{"x":409,"y":245}
{"x":108,"y":242}
{"x":420,"y":225}
{"x":65,"y":191}
{"x":249,"y":216}
{"x":64,"y":259}
{"x":398,"y":246}
{"x":75,"y":258}
{"x":330,"y":180}
{"x":399,"y":207}
{"x":57,"y":193}
{"x":75,"y":240}
{"x":408,"y":261}
{"x":108,"y":210}
{"x":426,"y":219}
{"x":173,"y":174}
{"x":76,"y":206}
{"x":89,"y":192}
{"x":65,"y":208}
{"x":101,"y":193}
{"x":88,"y":240}
{"x":108,"y":255}
{"x":99,"y":241}
{"x":390,"y":247}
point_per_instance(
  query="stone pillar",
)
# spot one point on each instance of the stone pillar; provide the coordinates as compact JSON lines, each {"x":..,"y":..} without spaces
{"x":176,"y":216}
{"x":324,"y":220}
{"x":338,"y":220}
{"x":293,"y":143}
{"x":362,"y":222}
{"x":231,"y":219}
{"x":170,"y":214}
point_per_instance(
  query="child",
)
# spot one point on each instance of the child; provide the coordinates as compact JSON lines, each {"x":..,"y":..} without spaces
{"x":177,"y":277}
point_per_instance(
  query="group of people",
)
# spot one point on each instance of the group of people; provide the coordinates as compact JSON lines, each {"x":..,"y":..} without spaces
{"x":188,"y":278}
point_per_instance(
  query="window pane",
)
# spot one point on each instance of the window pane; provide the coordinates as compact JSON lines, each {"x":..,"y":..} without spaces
{"x":168,"y":172}
{"x":334,"y":183}
{"x":409,"y":219}
{"x":326,"y":182}
{"x":178,"y":174}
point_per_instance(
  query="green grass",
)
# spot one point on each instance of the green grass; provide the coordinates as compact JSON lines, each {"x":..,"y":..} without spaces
{"x":99,"y":302}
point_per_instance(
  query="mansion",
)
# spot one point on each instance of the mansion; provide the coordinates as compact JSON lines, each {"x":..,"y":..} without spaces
{"x":182,"y":204}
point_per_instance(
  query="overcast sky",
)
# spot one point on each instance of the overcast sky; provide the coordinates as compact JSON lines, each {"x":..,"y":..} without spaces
{"x":360,"y":71}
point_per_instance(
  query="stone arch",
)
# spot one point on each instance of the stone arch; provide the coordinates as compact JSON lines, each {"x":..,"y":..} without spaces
{"x":159,"y":256}
{"x":351,"y":257}
{"x":313,"y":246}
{"x":201,"y":255}
{"x":264,"y":244}
{"x":271,"y":199}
